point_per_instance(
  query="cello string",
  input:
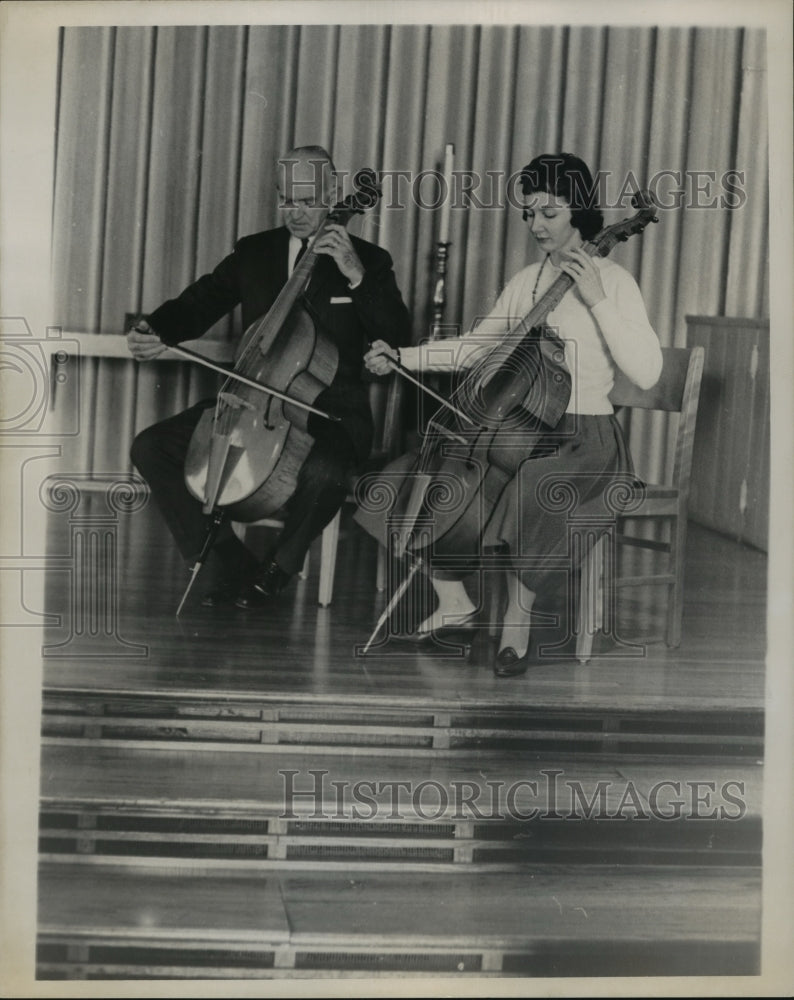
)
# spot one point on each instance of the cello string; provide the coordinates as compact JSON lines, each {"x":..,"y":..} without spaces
{"x":299,"y":276}
{"x":600,"y":245}
{"x":535,"y":317}
{"x":341,"y":213}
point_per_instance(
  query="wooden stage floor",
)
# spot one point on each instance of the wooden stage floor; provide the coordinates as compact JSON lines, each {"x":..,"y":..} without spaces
{"x":169,"y":847}
{"x":296,"y":648}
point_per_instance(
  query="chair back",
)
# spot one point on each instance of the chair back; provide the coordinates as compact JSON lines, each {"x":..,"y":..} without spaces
{"x":668,"y":393}
{"x":677,"y":391}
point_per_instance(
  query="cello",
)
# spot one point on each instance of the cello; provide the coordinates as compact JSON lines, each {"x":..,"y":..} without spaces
{"x":522,"y":386}
{"x":246,"y":452}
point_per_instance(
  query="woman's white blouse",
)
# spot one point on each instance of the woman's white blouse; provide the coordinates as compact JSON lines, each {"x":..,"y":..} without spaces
{"x":616,"y":331}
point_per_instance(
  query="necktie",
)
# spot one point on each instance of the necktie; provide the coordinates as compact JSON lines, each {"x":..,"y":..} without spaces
{"x":301,"y":252}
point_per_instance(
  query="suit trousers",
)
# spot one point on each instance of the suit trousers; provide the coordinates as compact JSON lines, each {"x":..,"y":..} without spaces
{"x":159,"y":455}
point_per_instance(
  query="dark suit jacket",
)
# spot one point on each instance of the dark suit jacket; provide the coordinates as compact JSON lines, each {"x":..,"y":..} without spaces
{"x":252,"y":276}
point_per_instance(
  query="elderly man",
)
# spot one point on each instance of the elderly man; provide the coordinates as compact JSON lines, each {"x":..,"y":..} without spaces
{"x":354,"y":298}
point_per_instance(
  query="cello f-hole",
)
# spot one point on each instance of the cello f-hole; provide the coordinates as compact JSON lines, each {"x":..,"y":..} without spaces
{"x":266,"y":423}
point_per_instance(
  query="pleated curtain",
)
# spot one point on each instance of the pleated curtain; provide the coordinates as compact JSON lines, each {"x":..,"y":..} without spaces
{"x":167,"y":139}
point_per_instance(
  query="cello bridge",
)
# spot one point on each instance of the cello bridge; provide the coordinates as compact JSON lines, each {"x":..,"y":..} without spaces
{"x":234,"y":402}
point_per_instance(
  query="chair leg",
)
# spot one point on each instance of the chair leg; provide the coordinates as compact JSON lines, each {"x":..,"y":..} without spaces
{"x":598,"y":585}
{"x":304,"y":573}
{"x":675,"y":604}
{"x":380,"y":570}
{"x":589,"y":614}
{"x":330,"y":543}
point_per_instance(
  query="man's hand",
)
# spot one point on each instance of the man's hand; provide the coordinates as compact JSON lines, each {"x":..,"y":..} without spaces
{"x":335,"y":242}
{"x":143,"y":343}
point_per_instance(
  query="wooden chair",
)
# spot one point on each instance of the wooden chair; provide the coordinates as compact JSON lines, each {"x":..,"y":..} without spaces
{"x":676,"y":392}
{"x":385,"y":397}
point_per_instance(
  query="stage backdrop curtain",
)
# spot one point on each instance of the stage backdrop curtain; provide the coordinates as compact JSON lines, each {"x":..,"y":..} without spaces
{"x":167,"y":139}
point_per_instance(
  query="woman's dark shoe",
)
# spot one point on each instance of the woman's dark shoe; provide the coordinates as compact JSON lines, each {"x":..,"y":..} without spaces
{"x":510,"y":664}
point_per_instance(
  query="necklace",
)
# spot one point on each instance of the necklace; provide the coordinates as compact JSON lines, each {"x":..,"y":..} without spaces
{"x":537,"y":280}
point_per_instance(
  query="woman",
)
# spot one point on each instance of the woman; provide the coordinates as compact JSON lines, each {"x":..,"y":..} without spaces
{"x":603,"y":324}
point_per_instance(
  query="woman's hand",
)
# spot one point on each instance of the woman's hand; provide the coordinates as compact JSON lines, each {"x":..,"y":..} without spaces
{"x":143,"y":343}
{"x":582,"y":268}
{"x":379,"y":358}
{"x":335,"y":242}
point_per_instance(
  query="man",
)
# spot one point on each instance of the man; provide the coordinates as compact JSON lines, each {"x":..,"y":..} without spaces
{"x":354,"y":298}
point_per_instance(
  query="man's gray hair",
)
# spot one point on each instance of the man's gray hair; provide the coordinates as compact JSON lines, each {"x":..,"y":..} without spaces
{"x":314,"y":154}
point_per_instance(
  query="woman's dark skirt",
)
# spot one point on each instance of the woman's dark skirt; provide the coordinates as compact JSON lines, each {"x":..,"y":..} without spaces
{"x":573,"y":477}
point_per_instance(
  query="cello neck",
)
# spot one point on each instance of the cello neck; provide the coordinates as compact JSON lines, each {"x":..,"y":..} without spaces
{"x":601,"y":245}
{"x":277,"y":315}
{"x":550,"y":299}
{"x":266,"y":329}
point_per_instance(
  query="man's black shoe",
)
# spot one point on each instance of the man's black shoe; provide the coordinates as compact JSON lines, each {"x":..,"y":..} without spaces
{"x":224,"y":594}
{"x":268,"y":583}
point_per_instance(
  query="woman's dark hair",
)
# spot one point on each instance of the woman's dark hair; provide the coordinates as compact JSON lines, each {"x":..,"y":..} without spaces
{"x":566,"y":176}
